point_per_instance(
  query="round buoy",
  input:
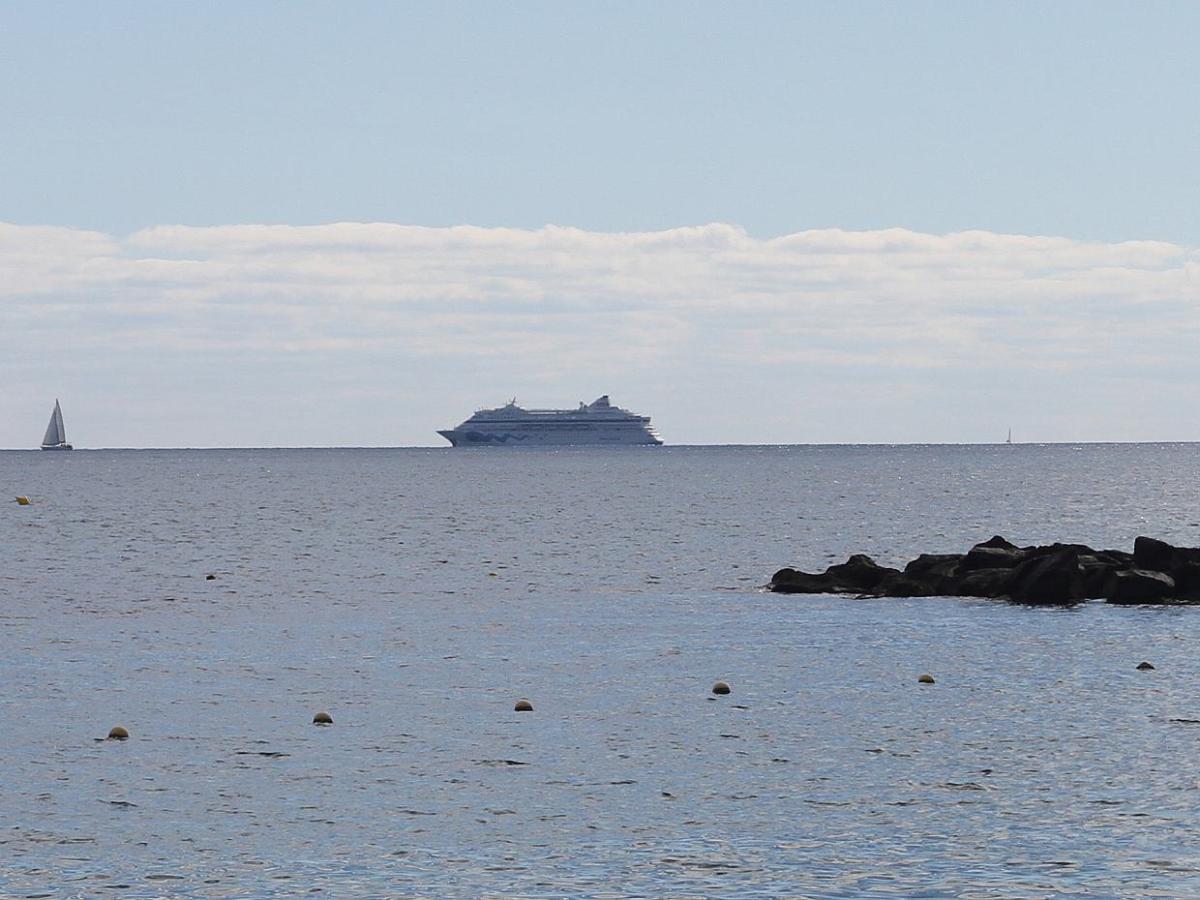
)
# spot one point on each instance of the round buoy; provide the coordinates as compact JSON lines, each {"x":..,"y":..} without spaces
{"x":523,"y":706}
{"x":322,"y":718}
{"x":22,"y":500}
{"x":721,"y":688}
{"x":926,"y":679}
{"x":1145,"y":666}
{"x":118,"y":733}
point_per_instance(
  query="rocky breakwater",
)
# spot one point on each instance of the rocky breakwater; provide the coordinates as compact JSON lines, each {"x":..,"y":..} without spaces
{"x":1049,"y":575}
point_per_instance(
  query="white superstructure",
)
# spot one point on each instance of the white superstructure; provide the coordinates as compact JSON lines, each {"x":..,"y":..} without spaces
{"x":598,"y":422}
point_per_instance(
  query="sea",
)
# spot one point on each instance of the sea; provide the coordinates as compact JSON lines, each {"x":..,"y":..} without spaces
{"x":213,"y":601}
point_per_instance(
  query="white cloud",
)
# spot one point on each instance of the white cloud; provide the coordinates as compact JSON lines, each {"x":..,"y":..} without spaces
{"x":561,"y":305}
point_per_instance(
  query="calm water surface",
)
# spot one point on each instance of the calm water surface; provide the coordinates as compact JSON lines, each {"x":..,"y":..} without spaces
{"x":416,"y":594}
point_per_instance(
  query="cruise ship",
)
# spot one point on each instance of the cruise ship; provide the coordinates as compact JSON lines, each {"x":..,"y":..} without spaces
{"x":595,"y":423}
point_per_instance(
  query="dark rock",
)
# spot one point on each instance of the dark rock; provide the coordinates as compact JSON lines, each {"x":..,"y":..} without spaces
{"x":1050,"y":574}
{"x":1140,"y":586}
{"x":1049,"y":579}
{"x":1187,"y":579}
{"x":860,"y":572}
{"x":998,"y":543}
{"x":1159,"y":556}
{"x":902,"y":585}
{"x":1145,"y":666}
{"x":858,"y":575}
{"x":1097,"y":569}
{"x":935,"y":573}
{"x":927,"y":562}
{"x":985,"y":583}
{"x":981,"y":557}
{"x":1051,"y":549}
{"x":1117,"y":558}
{"x":1151,"y":553}
{"x":790,"y":581}
{"x":1095,"y":581}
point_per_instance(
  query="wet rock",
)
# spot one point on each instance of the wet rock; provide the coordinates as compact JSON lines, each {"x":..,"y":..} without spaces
{"x":985,"y":583}
{"x":118,"y":733}
{"x":1187,"y":580}
{"x":1159,"y":556}
{"x":721,"y":688}
{"x":998,"y":543}
{"x":935,"y":573}
{"x":925,"y":679}
{"x":1050,"y":579}
{"x":1056,"y":574}
{"x":1118,"y":559}
{"x":1151,"y":553}
{"x":1140,"y":586}
{"x":903,"y":585}
{"x":984,"y":557}
{"x":859,"y":573}
{"x":322,"y":718}
{"x":933,"y":563}
{"x":1145,"y":666}
{"x":1097,"y":570}
{"x":791,"y":581}
{"x":523,"y":706}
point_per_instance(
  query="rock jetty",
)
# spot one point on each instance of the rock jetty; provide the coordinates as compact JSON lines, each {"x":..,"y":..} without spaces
{"x":1049,"y":575}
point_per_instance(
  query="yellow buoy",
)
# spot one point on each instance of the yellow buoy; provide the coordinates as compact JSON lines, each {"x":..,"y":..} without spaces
{"x":523,"y":706}
{"x":926,"y":679}
{"x":22,"y":500}
{"x":118,"y":733}
{"x":720,"y":688}
{"x":322,"y":718}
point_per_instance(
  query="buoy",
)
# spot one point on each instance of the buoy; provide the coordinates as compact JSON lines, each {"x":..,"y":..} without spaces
{"x":322,"y":718}
{"x":22,"y":500}
{"x":720,"y":688}
{"x":926,"y":679}
{"x":523,"y":706}
{"x":118,"y":733}
{"x":1145,"y":666}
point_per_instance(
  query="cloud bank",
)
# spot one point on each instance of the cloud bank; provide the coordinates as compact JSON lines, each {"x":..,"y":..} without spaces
{"x":693,"y":323}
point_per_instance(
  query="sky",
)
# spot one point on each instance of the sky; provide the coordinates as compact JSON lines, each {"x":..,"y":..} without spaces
{"x":327,"y":224}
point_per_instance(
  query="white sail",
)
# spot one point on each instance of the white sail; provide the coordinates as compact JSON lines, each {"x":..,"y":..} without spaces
{"x":55,"y":432}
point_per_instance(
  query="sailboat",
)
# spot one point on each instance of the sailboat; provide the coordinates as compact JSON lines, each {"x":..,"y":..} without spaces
{"x":1008,"y":440}
{"x":56,"y":434}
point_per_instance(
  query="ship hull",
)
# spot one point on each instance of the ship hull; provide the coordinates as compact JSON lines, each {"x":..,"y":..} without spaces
{"x":559,"y":436}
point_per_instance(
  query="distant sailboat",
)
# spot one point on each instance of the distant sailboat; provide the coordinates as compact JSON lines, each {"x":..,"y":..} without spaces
{"x":1008,"y":440}
{"x":56,"y":434}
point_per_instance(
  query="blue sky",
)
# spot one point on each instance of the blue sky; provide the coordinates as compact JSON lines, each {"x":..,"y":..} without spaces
{"x":1072,"y":122}
{"x":1065,"y":118}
